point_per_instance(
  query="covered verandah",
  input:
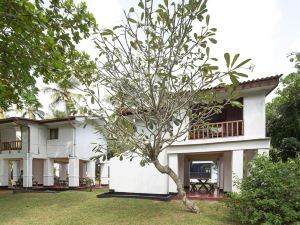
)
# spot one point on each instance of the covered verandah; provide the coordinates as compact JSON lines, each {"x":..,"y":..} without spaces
{"x":226,"y":168}
{"x":38,"y":173}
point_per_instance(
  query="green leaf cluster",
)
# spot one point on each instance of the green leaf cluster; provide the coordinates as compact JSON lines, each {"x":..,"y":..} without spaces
{"x":38,"y":40}
{"x":283,"y":114}
{"x":270,"y":195}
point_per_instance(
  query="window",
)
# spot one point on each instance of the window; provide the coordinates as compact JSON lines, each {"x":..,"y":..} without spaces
{"x":53,"y":134}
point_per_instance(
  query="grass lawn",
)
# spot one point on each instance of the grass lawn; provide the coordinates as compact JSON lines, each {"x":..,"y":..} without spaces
{"x":84,"y":208}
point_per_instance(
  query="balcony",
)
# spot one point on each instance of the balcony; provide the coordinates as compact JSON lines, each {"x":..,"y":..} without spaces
{"x":217,"y":130}
{"x":10,"y":145}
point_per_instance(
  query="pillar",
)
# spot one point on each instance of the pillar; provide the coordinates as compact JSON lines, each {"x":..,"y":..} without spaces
{"x":3,"y":173}
{"x":16,"y":170}
{"x":27,"y":171}
{"x":227,"y":172}
{"x":73,"y":172}
{"x":104,"y":173}
{"x":181,"y":168}
{"x":173,"y":164}
{"x":221,"y":174}
{"x":186,"y":173}
{"x":91,"y":173}
{"x":237,"y":168}
{"x":48,"y":178}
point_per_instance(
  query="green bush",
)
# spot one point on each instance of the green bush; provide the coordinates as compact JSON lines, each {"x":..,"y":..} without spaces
{"x":269,"y":195}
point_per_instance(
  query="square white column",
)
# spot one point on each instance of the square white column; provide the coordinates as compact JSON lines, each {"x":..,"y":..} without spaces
{"x":91,"y":173}
{"x":3,"y":172}
{"x":104,"y":171}
{"x":16,"y":170}
{"x":221,"y":174}
{"x":48,"y":178}
{"x":186,"y":173}
{"x":27,"y":171}
{"x":237,"y":168}
{"x":73,"y":172}
{"x":173,"y":164}
{"x":227,"y":171}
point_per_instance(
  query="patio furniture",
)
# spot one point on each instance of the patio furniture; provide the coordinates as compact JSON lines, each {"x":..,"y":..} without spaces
{"x":63,"y":183}
{"x":205,"y":184}
{"x":56,"y":181}
{"x":34,"y":182}
{"x":193,"y":187}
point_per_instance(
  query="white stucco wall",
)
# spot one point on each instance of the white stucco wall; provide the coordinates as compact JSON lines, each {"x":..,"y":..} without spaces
{"x":86,"y":137}
{"x":126,"y":176}
{"x":254,"y":115}
{"x":105,"y":173}
{"x":173,"y":162}
{"x":61,"y":147}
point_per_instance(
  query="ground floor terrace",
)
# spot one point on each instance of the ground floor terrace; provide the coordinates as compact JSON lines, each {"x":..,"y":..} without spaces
{"x":210,"y":175}
{"x":30,"y":172}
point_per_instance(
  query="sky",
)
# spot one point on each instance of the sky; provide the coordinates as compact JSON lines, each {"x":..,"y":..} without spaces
{"x":264,"y":30}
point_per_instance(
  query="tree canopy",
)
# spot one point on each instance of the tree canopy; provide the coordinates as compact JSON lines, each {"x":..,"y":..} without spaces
{"x":38,"y":39}
{"x":283,"y":115}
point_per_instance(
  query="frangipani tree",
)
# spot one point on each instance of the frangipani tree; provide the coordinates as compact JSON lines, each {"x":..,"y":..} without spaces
{"x":158,"y":70}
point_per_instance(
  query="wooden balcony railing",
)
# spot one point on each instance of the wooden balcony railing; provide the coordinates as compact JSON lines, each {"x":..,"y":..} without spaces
{"x":217,"y":130}
{"x":10,"y":145}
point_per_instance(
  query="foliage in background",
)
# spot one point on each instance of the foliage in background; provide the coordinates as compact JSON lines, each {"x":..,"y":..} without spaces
{"x":157,"y":69}
{"x":64,"y":94}
{"x":57,"y":114}
{"x":283,"y":116}
{"x":3,"y":114}
{"x":270,"y":195}
{"x":33,"y":112}
{"x":38,"y":39}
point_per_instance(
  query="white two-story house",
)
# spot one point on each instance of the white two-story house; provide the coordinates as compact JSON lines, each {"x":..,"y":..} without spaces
{"x":239,"y":135}
{"x":39,"y":150}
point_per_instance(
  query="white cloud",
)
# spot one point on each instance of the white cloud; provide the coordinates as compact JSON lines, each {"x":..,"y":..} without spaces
{"x":107,"y":14}
{"x":248,"y":27}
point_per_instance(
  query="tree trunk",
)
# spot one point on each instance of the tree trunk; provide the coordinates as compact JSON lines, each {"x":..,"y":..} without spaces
{"x":167,"y":170}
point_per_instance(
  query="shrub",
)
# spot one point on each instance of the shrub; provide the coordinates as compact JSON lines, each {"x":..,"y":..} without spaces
{"x":290,"y":148}
{"x":269,"y":195}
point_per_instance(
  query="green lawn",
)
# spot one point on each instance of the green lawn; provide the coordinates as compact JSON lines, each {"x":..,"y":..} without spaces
{"x":84,"y":208}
